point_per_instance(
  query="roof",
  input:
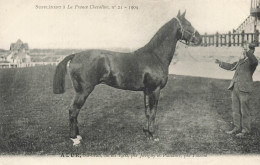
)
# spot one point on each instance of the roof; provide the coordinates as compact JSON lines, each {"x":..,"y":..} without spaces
{"x":19,"y":45}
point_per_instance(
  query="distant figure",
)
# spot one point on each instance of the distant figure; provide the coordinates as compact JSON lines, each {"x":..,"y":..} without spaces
{"x":241,"y":86}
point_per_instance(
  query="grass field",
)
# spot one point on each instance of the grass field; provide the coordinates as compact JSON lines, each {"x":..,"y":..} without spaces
{"x":193,"y":115}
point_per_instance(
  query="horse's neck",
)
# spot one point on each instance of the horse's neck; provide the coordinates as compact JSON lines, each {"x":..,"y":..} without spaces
{"x":163,"y":45}
{"x":165,"y":50}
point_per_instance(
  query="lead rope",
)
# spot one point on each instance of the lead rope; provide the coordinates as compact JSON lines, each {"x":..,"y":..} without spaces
{"x":189,"y":54}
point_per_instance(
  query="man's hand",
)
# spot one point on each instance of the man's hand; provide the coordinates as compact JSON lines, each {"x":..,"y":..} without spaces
{"x":217,"y":61}
{"x":244,"y":52}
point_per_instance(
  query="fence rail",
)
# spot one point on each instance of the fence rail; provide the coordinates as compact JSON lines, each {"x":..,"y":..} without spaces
{"x":23,"y":65}
{"x":229,"y":39}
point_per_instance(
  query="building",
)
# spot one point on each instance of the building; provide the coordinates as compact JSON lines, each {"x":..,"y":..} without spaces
{"x":248,"y":25}
{"x":253,"y":20}
{"x":19,"y":53}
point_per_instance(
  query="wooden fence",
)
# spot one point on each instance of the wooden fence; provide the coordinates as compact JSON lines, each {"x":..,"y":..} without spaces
{"x":230,"y":39}
{"x":23,"y":65}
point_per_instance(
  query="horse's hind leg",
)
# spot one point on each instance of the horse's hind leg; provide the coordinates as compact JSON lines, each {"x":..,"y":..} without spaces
{"x":77,"y":103}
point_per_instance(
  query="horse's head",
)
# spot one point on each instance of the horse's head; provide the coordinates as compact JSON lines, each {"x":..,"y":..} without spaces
{"x":187,"y":32}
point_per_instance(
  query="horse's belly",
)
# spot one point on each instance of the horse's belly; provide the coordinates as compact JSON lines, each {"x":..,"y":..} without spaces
{"x":126,"y":81}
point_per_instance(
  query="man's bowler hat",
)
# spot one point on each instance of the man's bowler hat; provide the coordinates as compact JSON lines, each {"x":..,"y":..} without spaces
{"x":251,"y":45}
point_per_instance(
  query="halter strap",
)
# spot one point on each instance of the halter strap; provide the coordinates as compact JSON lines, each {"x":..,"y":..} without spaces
{"x":182,"y":30}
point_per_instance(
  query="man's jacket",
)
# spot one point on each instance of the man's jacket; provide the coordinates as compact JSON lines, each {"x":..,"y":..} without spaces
{"x":244,"y":72}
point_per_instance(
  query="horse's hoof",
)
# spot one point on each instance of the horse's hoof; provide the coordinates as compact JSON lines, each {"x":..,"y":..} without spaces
{"x":76,"y":141}
{"x":79,"y":137}
{"x":150,"y":138}
{"x":156,"y":139}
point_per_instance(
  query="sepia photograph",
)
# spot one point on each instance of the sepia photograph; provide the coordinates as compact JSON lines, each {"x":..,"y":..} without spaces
{"x":127,"y":79}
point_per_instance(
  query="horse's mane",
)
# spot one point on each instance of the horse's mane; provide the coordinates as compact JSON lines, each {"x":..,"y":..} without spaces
{"x":159,"y":36}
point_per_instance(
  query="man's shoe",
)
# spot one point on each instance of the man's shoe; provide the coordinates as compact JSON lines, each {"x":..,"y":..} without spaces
{"x":233,"y":131}
{"x":242,"y":134}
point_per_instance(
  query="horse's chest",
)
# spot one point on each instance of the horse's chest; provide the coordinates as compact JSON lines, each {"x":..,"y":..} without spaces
{"x":155,"y":78}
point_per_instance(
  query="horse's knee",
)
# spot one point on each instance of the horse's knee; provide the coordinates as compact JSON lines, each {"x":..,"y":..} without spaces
{"x":73,"y":112}
{"x":77,"y":104}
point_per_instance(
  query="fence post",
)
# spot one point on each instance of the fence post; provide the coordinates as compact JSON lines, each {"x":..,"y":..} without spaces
{"x":225,"y":37}
{"x":213,"y":43}
{"x":217,"y":39}
{"x":234,"y":39}
{"x":257,"y":38}
{"x":205,"y":44}
{"x":238,"y":39}
{"x":220,"y":37}
{"x":229,"y":38}
{"x":243,"y":37}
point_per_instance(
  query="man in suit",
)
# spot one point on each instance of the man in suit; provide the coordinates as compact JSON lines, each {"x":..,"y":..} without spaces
{"x":241,"y":86}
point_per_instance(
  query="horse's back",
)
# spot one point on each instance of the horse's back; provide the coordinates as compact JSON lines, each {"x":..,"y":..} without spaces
{"x":89,"y":66}
{"x":120,"y":70}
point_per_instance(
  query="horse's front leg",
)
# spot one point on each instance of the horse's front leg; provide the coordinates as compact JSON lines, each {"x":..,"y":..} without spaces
{"x":147,"y":113}
{"x":153,"y":102}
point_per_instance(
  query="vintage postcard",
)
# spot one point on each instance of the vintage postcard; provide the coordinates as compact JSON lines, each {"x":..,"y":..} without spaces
{"x":138,"y":79}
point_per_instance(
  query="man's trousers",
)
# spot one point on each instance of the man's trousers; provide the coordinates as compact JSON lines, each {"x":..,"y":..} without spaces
{"x":240,"y":108}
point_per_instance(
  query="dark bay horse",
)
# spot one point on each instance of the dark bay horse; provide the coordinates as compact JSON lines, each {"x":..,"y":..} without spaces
{"x":145,"y":69}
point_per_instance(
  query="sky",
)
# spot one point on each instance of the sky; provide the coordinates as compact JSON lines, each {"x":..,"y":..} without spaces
{"x":114,"y":28}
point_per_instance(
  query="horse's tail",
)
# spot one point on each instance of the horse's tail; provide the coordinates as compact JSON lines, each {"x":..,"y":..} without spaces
{"x":59,"y":76}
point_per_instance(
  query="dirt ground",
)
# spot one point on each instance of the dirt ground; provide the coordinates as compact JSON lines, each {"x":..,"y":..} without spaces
{"x":193,"y":115}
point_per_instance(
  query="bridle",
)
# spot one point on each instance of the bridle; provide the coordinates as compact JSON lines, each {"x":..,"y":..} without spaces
{"x":192,"y":35}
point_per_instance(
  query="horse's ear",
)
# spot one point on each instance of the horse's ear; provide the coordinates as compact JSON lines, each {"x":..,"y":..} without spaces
{"x":183,"y":15}
{"x":179,"y":13}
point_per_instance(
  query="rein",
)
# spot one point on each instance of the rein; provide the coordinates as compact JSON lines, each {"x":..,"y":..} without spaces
{"x":192,"y":35}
